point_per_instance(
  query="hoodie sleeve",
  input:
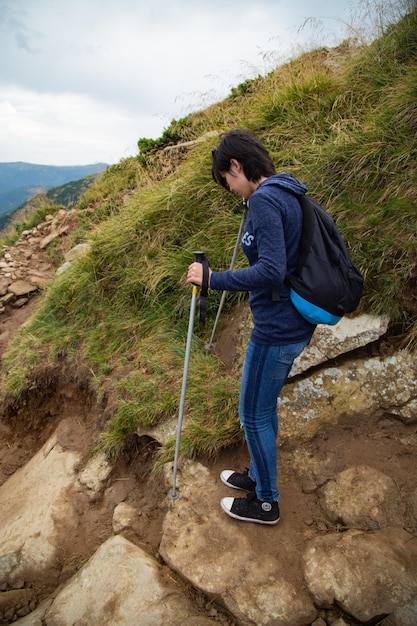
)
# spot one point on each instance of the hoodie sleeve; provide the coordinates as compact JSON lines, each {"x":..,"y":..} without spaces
{"x":263,"y":244}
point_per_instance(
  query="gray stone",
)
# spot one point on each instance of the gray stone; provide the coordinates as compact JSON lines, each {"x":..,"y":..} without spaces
{"x":124,"y":517}
{"x":363,"y":497}
{"x":407,"y":413}
{"x":22,"y":288}
{"x":367,"y":574}
{"x":94,"y":477}
{"x":403,"y":616}
{"x":330,"y":342}
{"x":4,"y":286}
{"x":123,"y":585}
{"x":32,"y":502}
{"x":206,"y":548}
{"x":51,"y":236}
{"x":77,"y":251}
{"x":354,"y":388}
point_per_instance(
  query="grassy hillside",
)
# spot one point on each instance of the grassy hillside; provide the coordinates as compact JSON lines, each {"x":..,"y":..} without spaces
{"x":344,"y":121}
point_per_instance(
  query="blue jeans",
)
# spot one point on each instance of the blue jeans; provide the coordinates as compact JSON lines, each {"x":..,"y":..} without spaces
{"x":265,"y":372}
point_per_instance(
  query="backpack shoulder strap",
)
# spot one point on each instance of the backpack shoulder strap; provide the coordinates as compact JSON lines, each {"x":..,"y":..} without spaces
{"x":307,"y":207}
{"x":309,"y":219}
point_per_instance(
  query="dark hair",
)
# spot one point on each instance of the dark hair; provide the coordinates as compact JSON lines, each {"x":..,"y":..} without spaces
{"x":246,"y":148}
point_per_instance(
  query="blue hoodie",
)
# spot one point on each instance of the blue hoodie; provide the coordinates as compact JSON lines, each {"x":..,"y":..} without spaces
{"x":271,"y":241}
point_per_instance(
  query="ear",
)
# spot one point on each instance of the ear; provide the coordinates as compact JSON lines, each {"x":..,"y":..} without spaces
{"x":236,"y":165}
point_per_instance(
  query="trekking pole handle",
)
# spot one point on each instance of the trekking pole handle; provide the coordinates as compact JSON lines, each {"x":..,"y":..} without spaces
{"x":200,"y":257}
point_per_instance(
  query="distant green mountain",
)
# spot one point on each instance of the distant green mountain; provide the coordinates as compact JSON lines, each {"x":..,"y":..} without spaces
{"x":21,"y":181}
{"x":67,"y":195}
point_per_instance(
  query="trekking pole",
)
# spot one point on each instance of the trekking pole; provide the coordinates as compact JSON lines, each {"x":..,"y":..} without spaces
{"x":200,"y":257}
{"x":242,"y":208}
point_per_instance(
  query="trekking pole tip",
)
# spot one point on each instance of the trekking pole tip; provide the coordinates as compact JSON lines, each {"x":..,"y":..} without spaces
{"x":173,"y":496}
{"x":209,"y":347}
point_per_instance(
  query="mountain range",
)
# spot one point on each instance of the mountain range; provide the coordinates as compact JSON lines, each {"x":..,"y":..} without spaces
{"x":21,"y":181}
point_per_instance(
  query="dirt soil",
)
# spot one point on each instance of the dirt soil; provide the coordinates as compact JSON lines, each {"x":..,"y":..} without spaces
{"x":381,"y":441}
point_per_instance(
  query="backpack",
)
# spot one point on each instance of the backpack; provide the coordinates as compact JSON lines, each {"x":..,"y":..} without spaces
{"x":326,"y":284}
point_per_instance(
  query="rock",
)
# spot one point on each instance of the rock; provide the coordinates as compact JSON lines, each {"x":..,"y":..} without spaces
{"x":62,"y":268}
{"x":77,"y":251}
{"x":8,"y":560}
{"x":33,"y":502}
{"x":52,"y":235}
{"x":15,"y":602}
{"x":206,"y":548}
{"x":354,"y":388}
{"x":362,"y":497}
{"x":4,"y":286}
{"x":367,"y":574}
{"x":327,"y":343}
{"x":312,"y":472}
{"x":124,"y":517}
{"x":39,"y":279}
{"x":94,"y":477}
{"x":199,"y":542}
{"x":22,"y":288}
{"x":122,"y":585}
{"x":26,"y":264}
{"x":403,"y":616}
{"x":331,"y":341}
{"x":407,"y":413}
{"x":8,"y":298}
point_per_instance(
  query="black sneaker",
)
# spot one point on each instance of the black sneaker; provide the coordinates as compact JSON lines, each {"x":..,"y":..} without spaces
{"x":238,"y":480}
{"x":250,"y":509}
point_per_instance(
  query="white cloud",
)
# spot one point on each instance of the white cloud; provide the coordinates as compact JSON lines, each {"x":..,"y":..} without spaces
{"x":85,"y":79}
{"x":76,"y":128}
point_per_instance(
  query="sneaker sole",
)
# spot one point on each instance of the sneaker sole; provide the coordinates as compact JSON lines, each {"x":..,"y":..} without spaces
{"x":247,"y":519}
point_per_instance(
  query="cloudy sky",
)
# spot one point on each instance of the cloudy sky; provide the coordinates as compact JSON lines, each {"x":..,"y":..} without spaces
{"x":82,"y":80}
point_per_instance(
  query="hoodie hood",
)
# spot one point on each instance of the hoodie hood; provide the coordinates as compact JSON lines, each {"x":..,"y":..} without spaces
{"x":287,"y":182}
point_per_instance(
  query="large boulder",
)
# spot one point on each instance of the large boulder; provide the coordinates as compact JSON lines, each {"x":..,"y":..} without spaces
{"x":364,"y":498}
{"x":214,"y":554}
{"x":120,"y":584}
{"x":33,"y":504}
{"x":366,"y":574}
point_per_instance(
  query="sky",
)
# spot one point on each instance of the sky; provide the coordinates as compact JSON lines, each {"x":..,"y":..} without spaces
{"x":82,"y":80}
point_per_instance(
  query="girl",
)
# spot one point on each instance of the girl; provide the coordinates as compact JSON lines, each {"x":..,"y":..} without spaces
{"x":242,"y":165}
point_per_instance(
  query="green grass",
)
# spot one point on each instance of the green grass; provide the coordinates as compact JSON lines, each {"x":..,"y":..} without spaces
{"x":350,"y":133}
